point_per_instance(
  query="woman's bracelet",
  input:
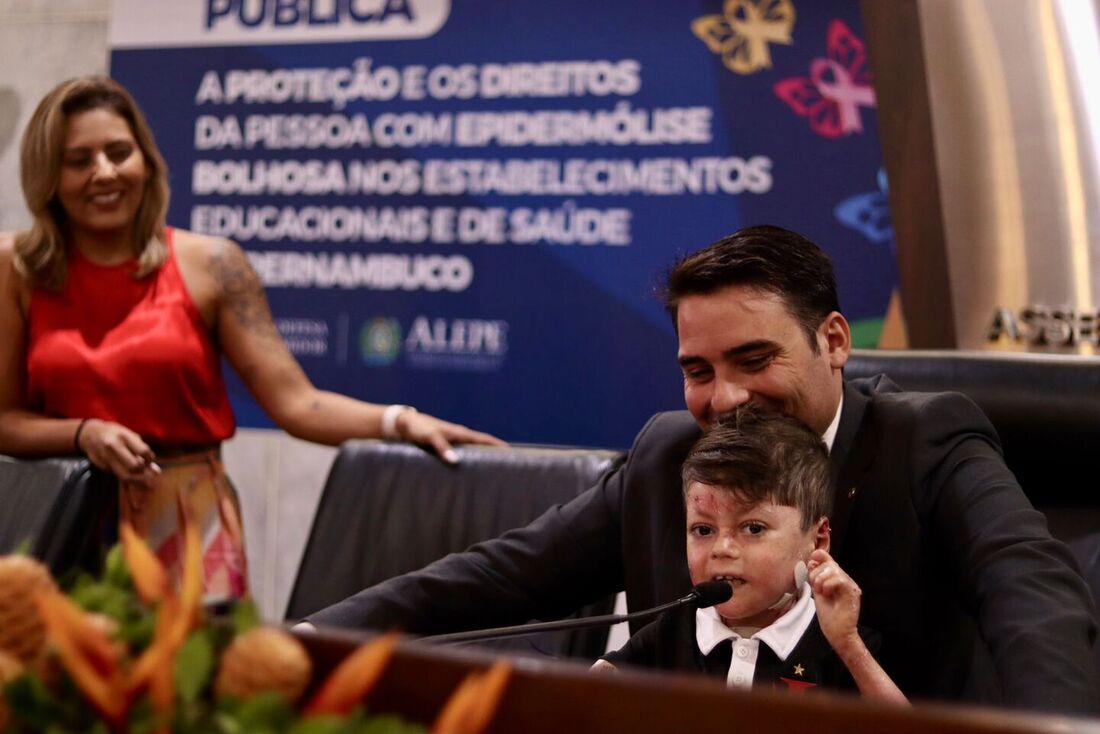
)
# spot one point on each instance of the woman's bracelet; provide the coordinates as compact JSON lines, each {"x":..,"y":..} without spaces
{"x":389,"y":421}
{"x":76,"y":436}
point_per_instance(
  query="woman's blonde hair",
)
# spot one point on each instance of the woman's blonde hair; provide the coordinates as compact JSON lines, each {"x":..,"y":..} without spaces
{"x":41,"y":252}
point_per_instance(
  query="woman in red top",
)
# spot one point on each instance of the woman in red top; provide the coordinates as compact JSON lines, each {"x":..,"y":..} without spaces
{"x":113,"y":326}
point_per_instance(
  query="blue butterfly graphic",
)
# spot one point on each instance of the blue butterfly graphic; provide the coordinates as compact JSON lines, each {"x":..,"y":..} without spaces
{"x":869,"y":213}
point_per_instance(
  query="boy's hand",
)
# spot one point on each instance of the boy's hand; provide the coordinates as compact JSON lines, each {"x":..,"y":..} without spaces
{"x":836,"y":596}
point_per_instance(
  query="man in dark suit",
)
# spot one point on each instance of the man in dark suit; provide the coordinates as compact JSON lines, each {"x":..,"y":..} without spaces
{"x":973,"y":598}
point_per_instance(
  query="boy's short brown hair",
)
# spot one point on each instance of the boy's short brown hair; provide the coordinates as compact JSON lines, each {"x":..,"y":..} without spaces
{"x":760,"y":455}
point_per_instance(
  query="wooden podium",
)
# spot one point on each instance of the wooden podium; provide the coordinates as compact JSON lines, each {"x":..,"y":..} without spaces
{"x":550,"y":697}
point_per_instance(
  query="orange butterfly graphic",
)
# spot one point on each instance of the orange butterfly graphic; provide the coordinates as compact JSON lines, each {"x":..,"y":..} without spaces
{"x":742,"y":32}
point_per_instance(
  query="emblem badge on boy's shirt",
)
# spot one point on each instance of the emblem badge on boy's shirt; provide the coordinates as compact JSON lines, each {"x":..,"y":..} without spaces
{"x":797,"y":686}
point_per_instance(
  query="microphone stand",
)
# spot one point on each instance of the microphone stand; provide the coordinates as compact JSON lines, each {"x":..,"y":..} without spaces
{"x":560,"y":624}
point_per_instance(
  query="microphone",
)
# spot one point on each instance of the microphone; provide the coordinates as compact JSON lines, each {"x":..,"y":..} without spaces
{"x":709,"y":594}
{"x":704,"y":595}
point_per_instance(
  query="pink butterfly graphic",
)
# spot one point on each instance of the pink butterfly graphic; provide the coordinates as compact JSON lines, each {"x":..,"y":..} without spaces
{"x":836,"y":88}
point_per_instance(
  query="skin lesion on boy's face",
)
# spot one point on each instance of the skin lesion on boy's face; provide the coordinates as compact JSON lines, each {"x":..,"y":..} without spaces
{"x":752,"y":546}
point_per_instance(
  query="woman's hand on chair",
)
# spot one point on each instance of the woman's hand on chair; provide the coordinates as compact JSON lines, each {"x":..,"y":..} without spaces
{"x":439,"y":434}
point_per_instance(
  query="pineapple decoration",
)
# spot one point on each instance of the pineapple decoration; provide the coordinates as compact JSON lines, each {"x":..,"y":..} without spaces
{"x":22,"y":632}
{"x":264,"y":659}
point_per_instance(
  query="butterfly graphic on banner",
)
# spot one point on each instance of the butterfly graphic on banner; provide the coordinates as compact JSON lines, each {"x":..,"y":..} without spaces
{"x":741,"y":34}
{"x":838,"y":85}
{"x":868,"y":213}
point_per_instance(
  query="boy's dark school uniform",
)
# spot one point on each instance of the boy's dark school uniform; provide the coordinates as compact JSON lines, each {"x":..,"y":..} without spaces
{"x":668,"y":643}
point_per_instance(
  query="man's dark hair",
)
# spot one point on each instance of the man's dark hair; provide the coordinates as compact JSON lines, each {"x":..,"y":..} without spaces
{"x":762,"y":455}
{"x":770,"y":258}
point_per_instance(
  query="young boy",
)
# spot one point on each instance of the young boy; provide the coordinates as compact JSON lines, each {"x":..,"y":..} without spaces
{"x":757,"y":495}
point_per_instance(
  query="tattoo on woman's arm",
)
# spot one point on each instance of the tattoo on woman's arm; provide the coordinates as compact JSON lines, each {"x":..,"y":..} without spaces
{"x":242,"y":291}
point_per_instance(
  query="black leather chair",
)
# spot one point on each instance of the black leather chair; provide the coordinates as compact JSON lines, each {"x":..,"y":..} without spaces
{"x":388,"y":508}
{"x":61,"y":511}
{"x":1046,"y":410}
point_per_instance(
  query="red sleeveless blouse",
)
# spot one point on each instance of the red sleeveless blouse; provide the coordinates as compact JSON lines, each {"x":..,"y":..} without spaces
{"x":135,"y":352}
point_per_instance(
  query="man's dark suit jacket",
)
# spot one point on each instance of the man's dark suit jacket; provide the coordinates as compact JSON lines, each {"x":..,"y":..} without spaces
{"x":973,"y":598}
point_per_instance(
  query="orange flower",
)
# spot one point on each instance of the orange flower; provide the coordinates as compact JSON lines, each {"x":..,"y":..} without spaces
{"x":471,"y":707}
{"x":91,"y":658}
{"x":160,"y":650}
{"x":150,"y":578}
{"x":86,"y":652}
{"x":176,"y":616}
{"x":354,"y":678}
{"x":191,"y":586}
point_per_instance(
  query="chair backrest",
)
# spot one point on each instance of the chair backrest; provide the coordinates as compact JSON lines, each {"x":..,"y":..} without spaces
{"x":1046,"y":410}
{"x":388,"y":508}
{"x":59,"y":510}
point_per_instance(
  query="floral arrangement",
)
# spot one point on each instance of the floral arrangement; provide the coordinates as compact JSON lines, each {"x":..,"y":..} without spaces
{"x":132,"y":652}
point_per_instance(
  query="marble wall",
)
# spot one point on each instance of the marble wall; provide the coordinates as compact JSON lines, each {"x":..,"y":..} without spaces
{"x":41,"y":43}
{"x":279,"y":479}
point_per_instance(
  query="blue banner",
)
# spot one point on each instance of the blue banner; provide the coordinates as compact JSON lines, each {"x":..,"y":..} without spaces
{"x":468,"y":206}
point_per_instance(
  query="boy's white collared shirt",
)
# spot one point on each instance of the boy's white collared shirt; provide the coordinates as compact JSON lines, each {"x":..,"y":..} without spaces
{"x":781,"y":636}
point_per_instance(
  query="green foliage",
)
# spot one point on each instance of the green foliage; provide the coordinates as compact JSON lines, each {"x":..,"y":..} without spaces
{"x":23,"y":547}
{"x":37,"y":708}
{"x":60,"y":708}
{"x":194,"y":667}
{"x":245,"y":616}
{"x":115,"y":572}
{"x":114,"y":597}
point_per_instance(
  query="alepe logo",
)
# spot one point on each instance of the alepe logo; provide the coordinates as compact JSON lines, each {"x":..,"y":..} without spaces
{"x":380,"y":341}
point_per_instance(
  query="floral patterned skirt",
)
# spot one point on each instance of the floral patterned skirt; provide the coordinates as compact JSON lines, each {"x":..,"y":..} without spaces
{"x":153,"y":511}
